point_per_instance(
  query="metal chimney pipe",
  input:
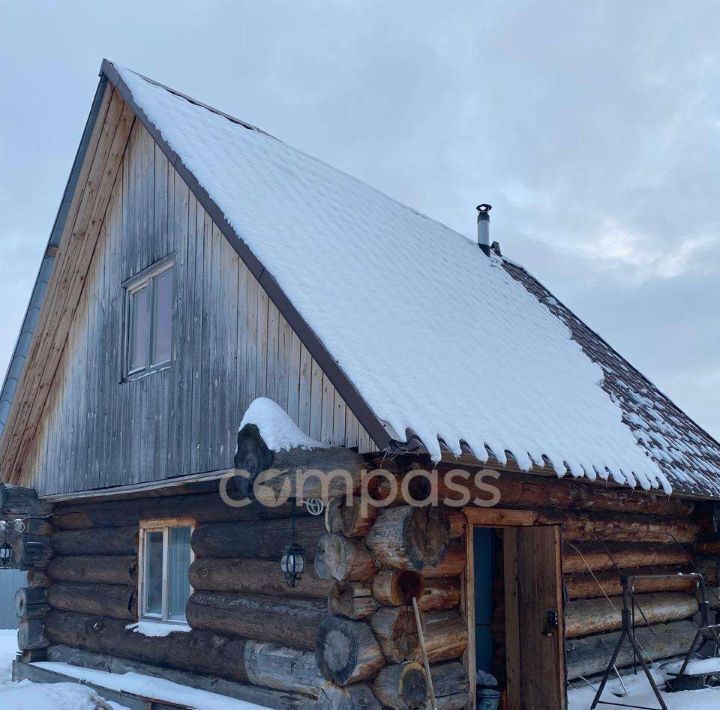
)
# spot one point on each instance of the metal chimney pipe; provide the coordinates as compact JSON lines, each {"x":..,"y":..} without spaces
{"x":483,"y":227}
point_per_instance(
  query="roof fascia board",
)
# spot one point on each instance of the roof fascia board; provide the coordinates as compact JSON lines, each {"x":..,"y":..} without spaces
{"x":308,"y":337}
{"x":148,"y":488}
{"x":29,"y":324}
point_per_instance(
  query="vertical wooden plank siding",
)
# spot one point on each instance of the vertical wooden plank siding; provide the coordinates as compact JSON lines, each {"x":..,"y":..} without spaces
{"x":305,"y":388}
{"x":230,"y":345}
{"x":542,"y":673}
{"x":468,"y":610}
{"x":512,"y":616}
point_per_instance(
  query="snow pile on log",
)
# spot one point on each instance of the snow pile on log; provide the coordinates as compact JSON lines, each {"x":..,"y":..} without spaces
{"x":439,"y":339}
{"x":279,"y":432}
{"x":148,"y":687}
{"x":156,"y":629}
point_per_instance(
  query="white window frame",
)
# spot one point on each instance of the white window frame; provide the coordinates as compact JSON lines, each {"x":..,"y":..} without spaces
{"x":164,"y":526}
{"x":145,"y":279}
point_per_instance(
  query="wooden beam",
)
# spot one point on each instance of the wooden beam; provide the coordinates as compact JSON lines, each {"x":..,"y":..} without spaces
{"x":590,"y":526}
{"x":291,"y":622}
{"x":587,"y":585}
{"x":578,"y":557}
{"x":592,"y":616}
{"x":174,"y":484}
{"x":91,"y":569}
{"x":408,"y":537}
{"x":18,"y":502}
{"x":253,"y":576}
{"x":512,"y":616}
{"x":542,"y":490}
{"x":264,"y":540}
{"x":589,"y":656}
{"x":500,"y":517}
{"x":468,"y":611}
{"x":114,"y":600}
{"x":264,"y":696}
{"x":347,"y":651}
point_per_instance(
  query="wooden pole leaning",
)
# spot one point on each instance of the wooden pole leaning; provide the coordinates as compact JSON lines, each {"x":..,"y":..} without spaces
{"x":423,"y":648}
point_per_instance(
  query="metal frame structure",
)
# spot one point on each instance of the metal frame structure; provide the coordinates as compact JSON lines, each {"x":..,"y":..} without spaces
{"x":628,"y":633}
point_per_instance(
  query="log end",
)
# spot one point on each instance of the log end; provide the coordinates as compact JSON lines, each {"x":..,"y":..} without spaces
{"x":427,"y":535}
{"x":346,"y":651}
{"x":354,"y":697}
{"x":398,"y":587}
{"x":343,"y":559}
{"x":402,"y":687}
{"x":252,"y":454}
{"x":410,"y":585}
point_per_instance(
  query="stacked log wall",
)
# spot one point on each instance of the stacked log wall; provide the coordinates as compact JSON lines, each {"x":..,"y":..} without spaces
{"x":379,"y":562}
{"x":27,"y":529}
{"x":361,"y":574}
{"x":247,"y":626}
{"x":592,"y":568}
{"x":607,"y":532}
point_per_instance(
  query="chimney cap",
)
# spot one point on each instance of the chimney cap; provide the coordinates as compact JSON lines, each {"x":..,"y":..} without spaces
{"x":484,"y":208}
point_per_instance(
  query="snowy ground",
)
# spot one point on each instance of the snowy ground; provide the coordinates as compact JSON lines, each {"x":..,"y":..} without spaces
{"x":639,"y":692}
{"x":34,"y":696}
{"x":73,"y":696}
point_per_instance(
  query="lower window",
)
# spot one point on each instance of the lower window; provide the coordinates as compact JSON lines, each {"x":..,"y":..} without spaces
{"x":164,"y":570}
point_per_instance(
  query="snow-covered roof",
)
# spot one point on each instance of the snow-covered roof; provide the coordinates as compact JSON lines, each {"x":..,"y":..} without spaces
{"x":442,"y":342}
{"x":685,"y":452}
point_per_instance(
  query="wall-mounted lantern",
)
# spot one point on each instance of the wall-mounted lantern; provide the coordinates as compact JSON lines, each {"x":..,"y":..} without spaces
{"x":292,"y":562}
{"x":6,"y":551}
{"x":6,"y":555}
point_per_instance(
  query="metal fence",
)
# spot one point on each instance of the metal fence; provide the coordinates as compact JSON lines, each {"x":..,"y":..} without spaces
{"x":10,"y":581}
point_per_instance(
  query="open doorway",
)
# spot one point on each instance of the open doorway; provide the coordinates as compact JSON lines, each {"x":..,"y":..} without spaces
{"x":515,"y":615}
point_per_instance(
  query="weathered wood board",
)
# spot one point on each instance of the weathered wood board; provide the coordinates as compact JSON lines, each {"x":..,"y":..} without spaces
{"x":230,"y":345}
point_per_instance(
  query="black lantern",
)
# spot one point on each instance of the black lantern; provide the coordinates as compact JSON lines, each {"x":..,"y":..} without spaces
{"x":292,"y":562}
{"x":6,"y":555}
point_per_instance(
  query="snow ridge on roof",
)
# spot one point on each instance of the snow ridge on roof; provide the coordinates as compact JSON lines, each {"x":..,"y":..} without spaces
{"x":440,"y":340}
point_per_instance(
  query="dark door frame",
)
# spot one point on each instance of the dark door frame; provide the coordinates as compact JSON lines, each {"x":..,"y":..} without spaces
{"x":495,"y":518}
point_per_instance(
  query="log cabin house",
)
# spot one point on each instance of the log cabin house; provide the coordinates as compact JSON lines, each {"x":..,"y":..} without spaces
{"x":202,"y":274}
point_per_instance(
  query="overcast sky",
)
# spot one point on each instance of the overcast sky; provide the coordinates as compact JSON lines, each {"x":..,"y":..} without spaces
{"x":592,"y":127}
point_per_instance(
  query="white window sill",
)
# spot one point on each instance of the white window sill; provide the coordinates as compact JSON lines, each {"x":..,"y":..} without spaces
{"x":147,"y":627}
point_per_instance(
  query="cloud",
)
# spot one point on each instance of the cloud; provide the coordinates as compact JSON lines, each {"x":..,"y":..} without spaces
{"x":592,"y":127}
{"x":623,"y":254}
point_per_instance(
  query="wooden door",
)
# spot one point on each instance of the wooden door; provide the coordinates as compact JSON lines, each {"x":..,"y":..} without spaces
{"x":534,"y":618}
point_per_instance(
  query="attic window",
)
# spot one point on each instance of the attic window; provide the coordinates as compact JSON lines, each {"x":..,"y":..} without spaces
{"x":149,"y":306}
